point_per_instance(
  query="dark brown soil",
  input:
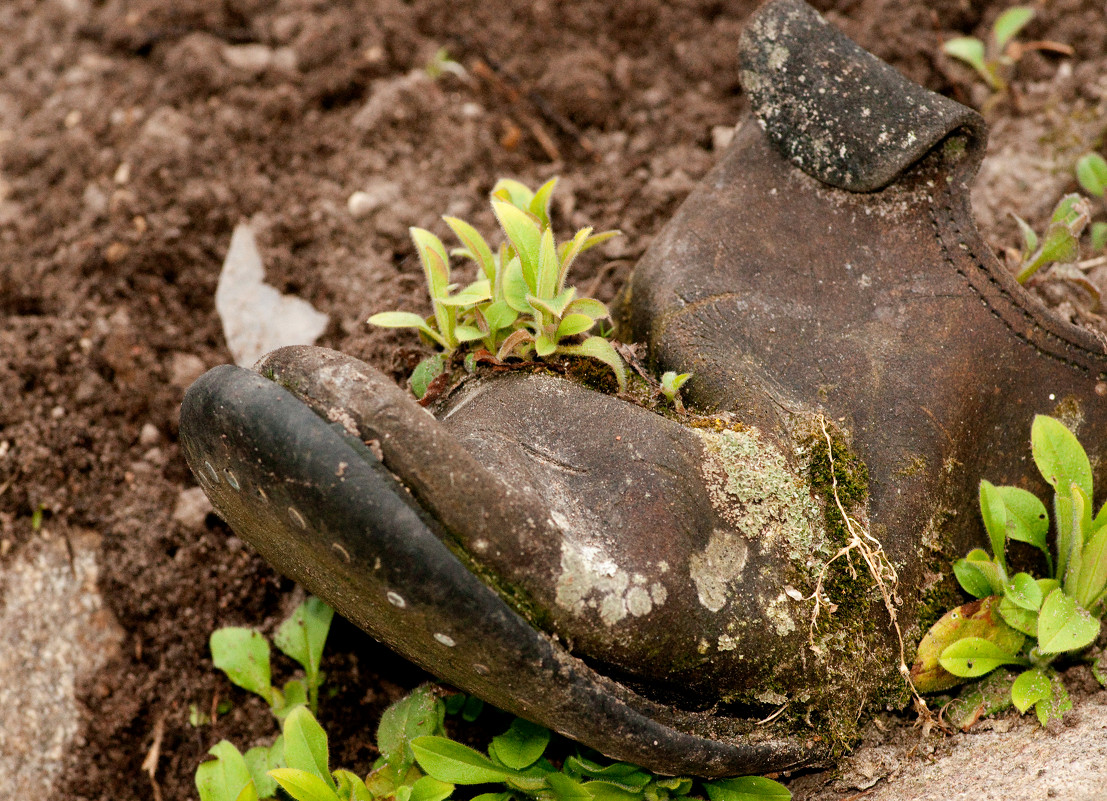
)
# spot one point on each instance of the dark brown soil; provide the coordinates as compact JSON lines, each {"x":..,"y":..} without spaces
{"x":134,"y":135}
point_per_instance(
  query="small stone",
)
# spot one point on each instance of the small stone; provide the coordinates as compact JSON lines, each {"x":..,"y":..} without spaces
{"x":721,"y":137}
{"x":184,"y":368}
{"x":192,"y":508}
{"x":365,"y":201}
{"x":252,"y":58}
{"x":149,"y":435}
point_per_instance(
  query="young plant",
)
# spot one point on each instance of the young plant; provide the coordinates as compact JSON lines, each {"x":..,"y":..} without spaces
{"x":1091,"y":173}
{"x":1020,"y":620}
{"x":243,"y":654}
{"x":1061,"y":241}
{"x":670,"y":387}
{"x":993,"y":61}
{"x":520,"y":303}
{"x":419,"y":762}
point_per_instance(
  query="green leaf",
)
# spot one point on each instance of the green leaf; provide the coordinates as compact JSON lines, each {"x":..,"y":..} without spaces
{"x":995,"y":520}
{"x":515,"y":287}
{"x":426,"y":371}
{"x":513,"y":192}
{"x":291,"y":696}
{"x":1099,"y":236}
{"x":1029,"y":688}
{"x":567,"y":789}
{"x":598,"y":239}
{"x":305,"y":745}
{"x":589,"y":306}
{"x":475,"y":244}
{"x":260,"y":760}
{"x":602,"y":790}
{"x":1019,"y":619}
{"x":1029,"y":237}
{"x":499,"y":315}
{"x":746,"y":788}
{"x":304,"y":634}
{"x":1027,"y":520}
{"x":525,"y":236}
{"x":1060,"y":244}
{"x":1093,"y":569}
{"x":975,"y":656}
{"x":522,"y":744}
{"x":226,"y":777}
{"x":1023,"y":591}
{"x":539,"y":205}
{"x":416,"y":715}
{"x":450,"y":761}
{"x":1057,"y":705}
{"x":407,"y":320}
{"x":467,"y":333}
{"x":968,"y":49}
{"x":977,"y":619}
{"x":435,"y":261}
{"x":544,"y":344}
{"x":1099,"y":668}
{"x":303,"y":785}
{"x":472,"y":709}
{"x":1009,"y":23}
{"x":428,"y":788}
{"x":548,"y":266}
{"x":1081,"y":520}
{"x":568,"y":251}
{"x":574,"y":324}
{"x":351,"y":787}
{"x":1091,"y":172}
{"x":972,"y":580}
{"x":476,"y":292}
{"x":1062,"y":462}
{"x":624,"y":774}
{"x":599,"y":348}
{"x":1063,"y":625}
{"x":243,"y":654}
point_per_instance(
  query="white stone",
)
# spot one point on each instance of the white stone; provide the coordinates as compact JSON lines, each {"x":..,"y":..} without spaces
{"x":256,"y":317}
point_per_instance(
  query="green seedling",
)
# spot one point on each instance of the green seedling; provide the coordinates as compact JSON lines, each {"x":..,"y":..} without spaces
{"x":1019,"y":620}
{"x":1091,"y":173}
{"x":441,"y":63}
{"x":670,"y":387}
{"x":1061,"y":241}
{"x":419,"y":762}
{"x":520,"y":303}
{"x":994,"y":59}
{"x":243,"y":654}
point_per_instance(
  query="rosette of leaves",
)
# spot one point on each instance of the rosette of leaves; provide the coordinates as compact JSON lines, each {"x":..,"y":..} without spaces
{"x":521,"y":303}
{"x":1020,"y":620}
{"x":1061,"y":241}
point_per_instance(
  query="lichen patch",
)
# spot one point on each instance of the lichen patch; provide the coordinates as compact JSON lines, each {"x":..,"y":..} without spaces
{"x":590,"y":579}
{"x":751,"y":484}
{"x":717,"y":567}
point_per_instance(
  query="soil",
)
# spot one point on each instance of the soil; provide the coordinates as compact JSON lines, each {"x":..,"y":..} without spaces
{"x":134,"y":136}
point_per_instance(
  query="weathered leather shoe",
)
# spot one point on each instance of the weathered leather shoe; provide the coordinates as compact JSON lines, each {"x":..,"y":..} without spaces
{"x":645,"y":584}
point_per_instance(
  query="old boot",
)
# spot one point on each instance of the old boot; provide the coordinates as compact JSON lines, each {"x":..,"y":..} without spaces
{"x":648,"y":585}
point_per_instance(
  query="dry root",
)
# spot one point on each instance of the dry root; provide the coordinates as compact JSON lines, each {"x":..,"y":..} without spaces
{"x":865,"y":545}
